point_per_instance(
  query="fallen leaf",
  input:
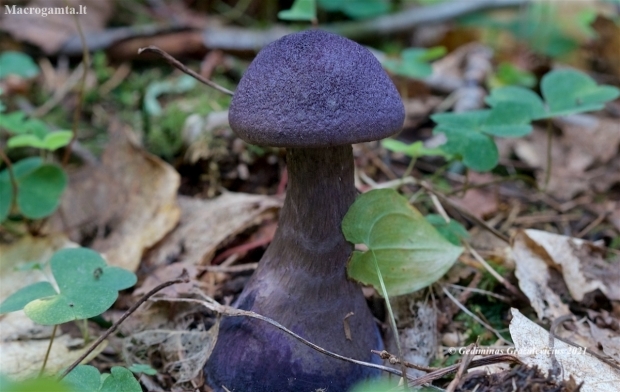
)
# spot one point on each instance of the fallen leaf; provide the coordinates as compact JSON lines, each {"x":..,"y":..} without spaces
{"x":608,"y":340}
{"x":52,"y":31}
{"x":532,"y":347}
{"x":206,"y":225}
{"x":122,"y":206}
{"x":533,"y":275}
{"x":580,"y":263}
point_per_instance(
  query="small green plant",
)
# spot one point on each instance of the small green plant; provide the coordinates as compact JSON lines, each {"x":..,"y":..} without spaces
{"x":414,"y":62}
{"x":84,"y":287}
{"x":86,"y":378}
{"x":470,"y":135}
{"x":17,"y":63}
{"x":509,"y":75}
{"x":408,"y":250}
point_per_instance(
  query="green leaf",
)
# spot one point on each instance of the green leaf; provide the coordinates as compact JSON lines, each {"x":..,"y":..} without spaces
{"x":120,"y":380}
{"x":17,"y":63}
{"x":88,"y":287}
{"x":453,"y":231}
{"x":25,"y":140}
{"x":300,"y":10}
{"x":508,"y":120}
{"x":13,"y":122}
{"x":414,"y":62}
{"x":84,"y":378}
{"x":25,"y":295}
{"x":507,"y":75}
{"x":38,"y":192}
{"x":141,"y":368}
{"x":568,"y":91}
{"x":518,"y":95}
{"x":414,"y":150}
{"x":55,"y":140}
{"x":410,"y":253}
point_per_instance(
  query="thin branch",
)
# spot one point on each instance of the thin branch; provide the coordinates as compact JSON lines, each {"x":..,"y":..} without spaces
{"x":470,"y":314}
{"x":509,"y":286}
{"x":80,"y":98}
{"x":177,"y":64}
{"x":228,"y":311}
{"x":243,"y":39}
{"x":489,"y":360}
{"x":184,"y":278}
{"x":49,"y":349}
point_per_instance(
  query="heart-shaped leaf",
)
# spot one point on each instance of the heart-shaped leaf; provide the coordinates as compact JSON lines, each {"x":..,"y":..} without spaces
{"x":88,"y":287}
{"x":300,"y":10}
{"x":518,"y":95}
{"x":568,"y":91}
{"x":22,"y":297}
{"x":38,"y":192}
{"x":17,"y":63}
{"x":410,"y":253}
{"x":477,"y":150}
{"x":85,"y":378}
{"x":120,"y":379}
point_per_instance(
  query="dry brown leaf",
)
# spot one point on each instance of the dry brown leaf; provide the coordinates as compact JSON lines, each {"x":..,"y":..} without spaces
{"x":533,"y":348}
{"x":22,"y":342}
{"x":166,"y":273}
{"x":580,"y":262}
{"x":52,"y":31}
{"x":122,"y":206}
{"x":608,"y":340}
{"x":206,"y":225}
{"x":533,"y":275}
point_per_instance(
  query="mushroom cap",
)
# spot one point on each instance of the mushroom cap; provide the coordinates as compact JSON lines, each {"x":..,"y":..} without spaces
{"x":315,"y":89}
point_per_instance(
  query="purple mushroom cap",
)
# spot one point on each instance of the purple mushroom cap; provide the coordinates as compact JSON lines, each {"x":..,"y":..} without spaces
{"x":315,"y":89}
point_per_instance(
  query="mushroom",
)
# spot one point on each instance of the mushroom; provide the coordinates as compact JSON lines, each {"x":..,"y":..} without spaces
{"x":314,"y":93}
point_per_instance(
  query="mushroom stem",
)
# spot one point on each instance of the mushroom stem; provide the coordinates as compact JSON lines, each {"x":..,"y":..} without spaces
{"x":301,"y":282}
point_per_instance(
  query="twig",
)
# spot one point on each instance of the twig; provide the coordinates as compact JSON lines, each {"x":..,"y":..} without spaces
{"x":480,"y":291}
{"x":394,"y":360}
{"x":184,"y":278}
{"x":229,"y":269}
{"x":509,"y":286}
{"x":177,"y":64}
{"x":468,"y":215}
{"x":463,"y":366}
{"x":488,"y":360}
{"x":61,"y":92}
{"x":470,"y":314}
{"x":80,"y":98}
{"x":228,"y":311}
{"x":242,"y":39}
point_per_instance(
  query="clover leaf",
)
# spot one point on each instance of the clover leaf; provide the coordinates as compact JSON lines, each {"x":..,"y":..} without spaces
{"x":85,"y":378}
{"x":39,"y":187}
{"x":409,"y":252}
{"x":565,"y":92}
{"x":469,"y":133}
{"x":86,"y":288}
{"x":414,"y":62}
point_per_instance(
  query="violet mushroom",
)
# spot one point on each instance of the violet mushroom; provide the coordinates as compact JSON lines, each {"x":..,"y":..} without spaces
{"x":314,"y":93}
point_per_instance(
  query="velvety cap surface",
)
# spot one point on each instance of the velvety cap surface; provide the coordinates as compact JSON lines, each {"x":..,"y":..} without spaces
{"x":315,"y":89}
